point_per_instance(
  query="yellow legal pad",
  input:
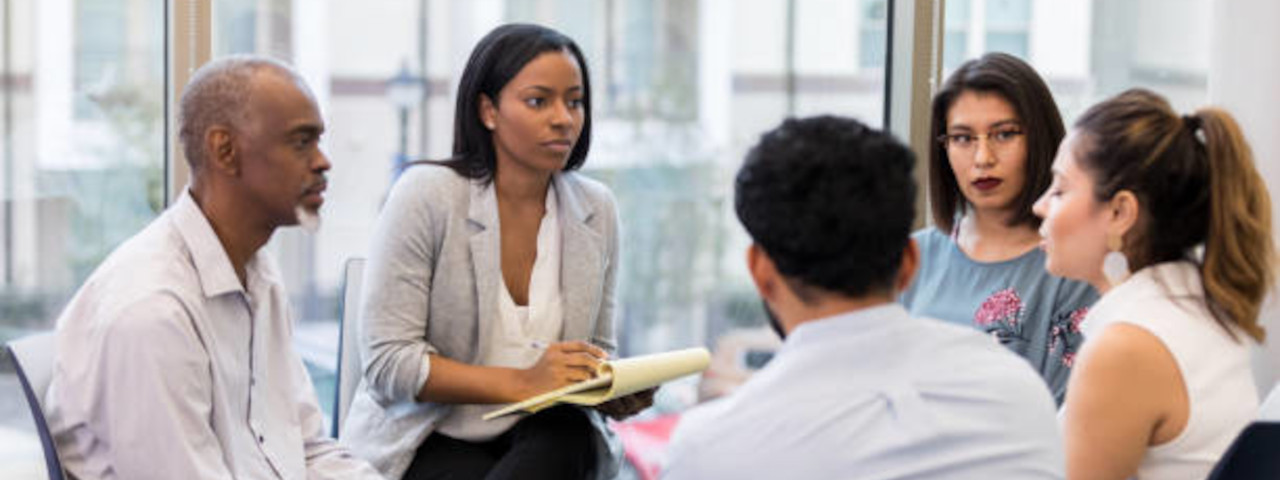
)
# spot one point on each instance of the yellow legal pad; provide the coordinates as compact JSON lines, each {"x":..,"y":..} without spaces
{"x":617,"y":378}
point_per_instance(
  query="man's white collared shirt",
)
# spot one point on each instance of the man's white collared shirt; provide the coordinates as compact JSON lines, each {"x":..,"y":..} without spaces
{"x":169,"y":368}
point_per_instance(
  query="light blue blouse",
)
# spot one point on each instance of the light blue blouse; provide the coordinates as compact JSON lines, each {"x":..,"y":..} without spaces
{"x":1033,"y":313}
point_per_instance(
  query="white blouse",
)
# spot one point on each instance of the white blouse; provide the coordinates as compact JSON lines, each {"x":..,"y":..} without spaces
{"x":524,"y":330}
{"x":1168,"y":301}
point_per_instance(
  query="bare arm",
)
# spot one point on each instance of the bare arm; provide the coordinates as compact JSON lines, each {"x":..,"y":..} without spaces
{"x":562,"y":364}
{"x":1125,"y":395}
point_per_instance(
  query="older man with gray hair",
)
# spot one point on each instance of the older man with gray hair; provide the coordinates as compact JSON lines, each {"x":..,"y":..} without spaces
{"x":175,"y":357}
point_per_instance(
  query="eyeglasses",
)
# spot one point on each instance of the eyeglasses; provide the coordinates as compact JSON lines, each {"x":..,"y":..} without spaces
{"x":967,"y":143}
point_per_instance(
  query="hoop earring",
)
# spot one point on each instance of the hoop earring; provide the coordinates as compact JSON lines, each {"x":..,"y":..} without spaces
{"x":1115,"y":266}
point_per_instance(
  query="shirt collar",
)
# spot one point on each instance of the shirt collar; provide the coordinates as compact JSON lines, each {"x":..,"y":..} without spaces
{"x":213,"y":266}
{"x":845,"y":324}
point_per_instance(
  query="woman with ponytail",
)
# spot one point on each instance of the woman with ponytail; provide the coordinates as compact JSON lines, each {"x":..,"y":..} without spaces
{"x":1168,"y":218}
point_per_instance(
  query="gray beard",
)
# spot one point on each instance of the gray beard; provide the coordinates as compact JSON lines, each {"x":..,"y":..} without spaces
{"x":308,"y":220}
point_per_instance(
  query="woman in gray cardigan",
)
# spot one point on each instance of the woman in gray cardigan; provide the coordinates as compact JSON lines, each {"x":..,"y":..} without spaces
{"x":491,"y":279}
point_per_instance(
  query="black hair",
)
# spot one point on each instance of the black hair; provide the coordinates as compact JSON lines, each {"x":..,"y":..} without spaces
{"x":496,"y":59}
{"x":831,"y":201}
{"x":1017,"y":83}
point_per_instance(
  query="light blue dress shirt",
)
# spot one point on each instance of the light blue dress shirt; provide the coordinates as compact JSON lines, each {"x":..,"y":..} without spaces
{"x":876,"y":394}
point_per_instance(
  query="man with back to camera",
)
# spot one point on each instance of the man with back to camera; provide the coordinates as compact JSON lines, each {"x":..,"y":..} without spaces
{"x":175,"y":357}
{"x":859,"y":389}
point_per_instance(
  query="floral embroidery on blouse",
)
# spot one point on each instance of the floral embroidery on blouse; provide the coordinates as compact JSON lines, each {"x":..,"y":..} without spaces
{"x":1001,"y":315}
{"x":1065,"y":333}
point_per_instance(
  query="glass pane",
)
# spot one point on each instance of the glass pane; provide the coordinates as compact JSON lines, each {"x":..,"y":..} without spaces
{"x":1088,"y":51}
{"x":830,"y":74}
{"x":1008,"y":13}
{"x":1011,"y":43}
{"x":872,"y":48}
{"x":871,"y":41}
{"x":957,"y":13}
{"x":875,"y":10}
{"x":954,"y":47}
{"x":81,"y":165}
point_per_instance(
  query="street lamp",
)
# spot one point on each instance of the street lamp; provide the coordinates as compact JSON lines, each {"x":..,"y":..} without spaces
{"x":405,"y":92}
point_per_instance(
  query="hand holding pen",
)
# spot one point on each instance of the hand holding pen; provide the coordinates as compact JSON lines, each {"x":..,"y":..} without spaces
{"x":562,"y":363}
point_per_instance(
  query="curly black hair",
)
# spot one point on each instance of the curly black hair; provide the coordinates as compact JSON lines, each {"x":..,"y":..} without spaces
{"x":831,"y":201}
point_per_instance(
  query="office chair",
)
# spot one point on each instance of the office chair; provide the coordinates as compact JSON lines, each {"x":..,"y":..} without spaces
{"x":33,"y":359}
{"x":1252,"y":455}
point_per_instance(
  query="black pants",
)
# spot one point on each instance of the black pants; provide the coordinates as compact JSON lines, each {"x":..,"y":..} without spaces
{"x":556,"y":443}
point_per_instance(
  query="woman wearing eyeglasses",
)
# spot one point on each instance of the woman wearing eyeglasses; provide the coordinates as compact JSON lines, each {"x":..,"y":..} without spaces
{"x":997,"y":131}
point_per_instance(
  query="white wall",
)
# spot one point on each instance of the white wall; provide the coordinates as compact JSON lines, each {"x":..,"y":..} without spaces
{"x":369,"y":38}
{"x":1051,"y":22}
{"x":1245,"y":70}
{"x":1163,"y":34}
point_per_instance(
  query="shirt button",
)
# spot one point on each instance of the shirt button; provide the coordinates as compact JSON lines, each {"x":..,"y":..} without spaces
{"x":261,"y":439}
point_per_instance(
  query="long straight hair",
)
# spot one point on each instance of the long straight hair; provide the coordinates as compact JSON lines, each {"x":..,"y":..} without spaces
{"x":496,"y":59}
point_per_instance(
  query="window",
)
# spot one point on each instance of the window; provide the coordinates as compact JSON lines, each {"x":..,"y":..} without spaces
{"x":1007,"y":23}
{"x":871,"y":41}
{"x":955,"y":47}
{"x":1087,"y":51}
{"x":976,"y":26}
{"x":81,"y":164}
{"x":683,"y":88}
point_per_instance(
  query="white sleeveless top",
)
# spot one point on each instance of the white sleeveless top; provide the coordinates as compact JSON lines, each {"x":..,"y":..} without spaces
{"x":1167,"y":300}
{"x":523,"y":331}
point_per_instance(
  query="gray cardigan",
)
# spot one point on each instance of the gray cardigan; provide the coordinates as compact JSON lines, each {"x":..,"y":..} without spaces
{"x":431,"y":286}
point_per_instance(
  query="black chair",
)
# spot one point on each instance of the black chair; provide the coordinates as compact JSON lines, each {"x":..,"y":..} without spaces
{"x":33,"y":360}
{"x":1254,"y":454}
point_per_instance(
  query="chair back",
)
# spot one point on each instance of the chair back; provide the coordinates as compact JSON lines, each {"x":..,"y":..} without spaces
{"x":1252,"y":455}
{"x":33,"y":360}
{"x":349,"y":369}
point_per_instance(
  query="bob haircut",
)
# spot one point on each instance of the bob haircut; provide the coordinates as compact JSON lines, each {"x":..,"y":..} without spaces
{"x":497,"y":59}
{"x":1017,"y":83}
